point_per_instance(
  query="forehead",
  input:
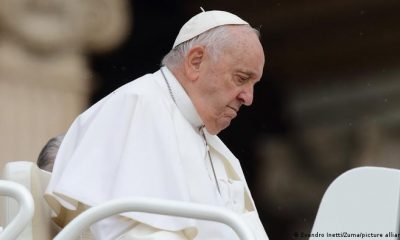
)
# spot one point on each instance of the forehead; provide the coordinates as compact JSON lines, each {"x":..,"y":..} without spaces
{"x":244,"y":52}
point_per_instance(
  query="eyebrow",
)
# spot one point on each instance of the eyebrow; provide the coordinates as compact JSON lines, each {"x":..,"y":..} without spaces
{"x":246,"y":72}
{"x":250,"y":74}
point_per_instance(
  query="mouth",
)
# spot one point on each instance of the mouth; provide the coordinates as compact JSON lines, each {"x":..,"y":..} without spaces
{"x":233,"y":108}
{"x":234,"y":112}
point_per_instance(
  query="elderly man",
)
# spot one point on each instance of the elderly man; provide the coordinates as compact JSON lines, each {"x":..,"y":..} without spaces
{"x":156,"y":136}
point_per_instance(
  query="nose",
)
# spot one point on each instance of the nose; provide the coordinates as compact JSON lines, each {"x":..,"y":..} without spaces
{"x":246,"y":95}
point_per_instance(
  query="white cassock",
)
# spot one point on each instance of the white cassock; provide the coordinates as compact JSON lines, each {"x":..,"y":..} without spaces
{"x":145,"y":140}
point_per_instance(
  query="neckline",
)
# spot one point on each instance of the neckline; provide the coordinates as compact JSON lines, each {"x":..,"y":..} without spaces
{"x":181,"y":99}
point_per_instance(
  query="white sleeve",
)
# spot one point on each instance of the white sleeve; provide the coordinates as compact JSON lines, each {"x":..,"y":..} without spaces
{"x":145,"y":232}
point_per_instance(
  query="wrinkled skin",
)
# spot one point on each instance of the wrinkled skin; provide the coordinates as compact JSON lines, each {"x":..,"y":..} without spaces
{"x":223,"y":86}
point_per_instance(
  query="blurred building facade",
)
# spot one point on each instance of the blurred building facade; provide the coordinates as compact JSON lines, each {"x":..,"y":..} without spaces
{"x":45,"y":81}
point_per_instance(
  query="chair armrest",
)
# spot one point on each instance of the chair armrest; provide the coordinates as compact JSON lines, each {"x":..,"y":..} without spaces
{"x":157,"y":206}
{"x":26,"y":209}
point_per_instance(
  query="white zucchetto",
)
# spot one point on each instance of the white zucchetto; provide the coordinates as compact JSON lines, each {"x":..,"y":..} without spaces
{"x":205,"y":21}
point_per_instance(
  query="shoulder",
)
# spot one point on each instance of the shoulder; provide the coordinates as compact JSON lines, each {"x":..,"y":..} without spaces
{"x":143,"y":86}
{"x":144,"y":93}
{"x":147,"y":89}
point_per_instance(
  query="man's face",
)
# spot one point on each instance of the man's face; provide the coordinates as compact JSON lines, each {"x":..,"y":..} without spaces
{"x":227,"y":83}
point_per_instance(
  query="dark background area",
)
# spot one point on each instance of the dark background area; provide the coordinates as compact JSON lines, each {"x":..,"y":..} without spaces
{"x":309,"y":45}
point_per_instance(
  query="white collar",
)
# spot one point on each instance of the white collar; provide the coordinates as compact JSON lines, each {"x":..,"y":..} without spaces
{"x":182,"y":100}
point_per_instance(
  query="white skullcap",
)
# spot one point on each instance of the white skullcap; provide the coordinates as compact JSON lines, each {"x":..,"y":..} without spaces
{"x":205,"y":21}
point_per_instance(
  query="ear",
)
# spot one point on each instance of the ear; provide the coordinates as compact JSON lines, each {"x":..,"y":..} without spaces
{"x":193,"y":61}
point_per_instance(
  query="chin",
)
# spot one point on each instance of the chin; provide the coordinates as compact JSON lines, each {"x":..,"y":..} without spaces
{"x":218,"y":129}
{"x":213,"y":131}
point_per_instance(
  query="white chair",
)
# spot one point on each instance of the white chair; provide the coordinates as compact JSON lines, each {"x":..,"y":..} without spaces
{"x":35,"y":181}
{"x":360,"y":203}
{"x":25,"y":212}
{"x":157,"y":206}
{"x":41,"y":227}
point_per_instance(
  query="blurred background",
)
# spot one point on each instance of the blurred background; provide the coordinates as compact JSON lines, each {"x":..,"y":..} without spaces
{"x":328,"y":101}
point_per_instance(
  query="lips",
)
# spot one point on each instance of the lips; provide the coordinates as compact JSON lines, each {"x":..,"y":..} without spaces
{"x":234,"y":112}
{"x":234,"y":109}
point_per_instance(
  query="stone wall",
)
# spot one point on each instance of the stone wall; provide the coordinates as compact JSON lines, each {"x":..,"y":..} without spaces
{"x":45,"y":81}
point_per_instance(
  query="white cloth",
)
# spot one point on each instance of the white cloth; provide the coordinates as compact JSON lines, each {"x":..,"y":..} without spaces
{"x":138,"y":142}
{"x":145,"y":232}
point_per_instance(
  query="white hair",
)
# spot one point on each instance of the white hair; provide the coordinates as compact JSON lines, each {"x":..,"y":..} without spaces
{"x":213,"y":39}
{"x":48,"y":153}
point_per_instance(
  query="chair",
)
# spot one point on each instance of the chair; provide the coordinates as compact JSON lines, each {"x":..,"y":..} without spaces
{"x":157,"y":206}
{"x":35,"y":181}
{"x":25,"y":212}
{"x":41,"y":226}
{"x":359,"y":204}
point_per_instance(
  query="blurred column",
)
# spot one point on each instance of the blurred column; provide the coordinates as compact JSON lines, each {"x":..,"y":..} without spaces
{"x":44,"y":78}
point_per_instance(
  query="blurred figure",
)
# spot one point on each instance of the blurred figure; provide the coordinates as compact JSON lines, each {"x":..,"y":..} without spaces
{"x":49,"y":152}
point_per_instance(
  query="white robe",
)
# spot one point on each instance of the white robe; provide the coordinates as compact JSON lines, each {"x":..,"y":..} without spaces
{"x":138,"y":142}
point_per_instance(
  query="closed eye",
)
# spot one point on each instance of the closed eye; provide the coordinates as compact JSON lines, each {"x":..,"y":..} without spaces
{"x":242,"y":79}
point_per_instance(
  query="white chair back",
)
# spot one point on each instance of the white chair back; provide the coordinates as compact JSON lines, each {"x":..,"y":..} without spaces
{"x":359,"y":204}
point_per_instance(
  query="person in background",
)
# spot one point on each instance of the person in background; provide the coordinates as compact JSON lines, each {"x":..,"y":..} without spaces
{"x":157,"y":137}
{"x":48,"y":153}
